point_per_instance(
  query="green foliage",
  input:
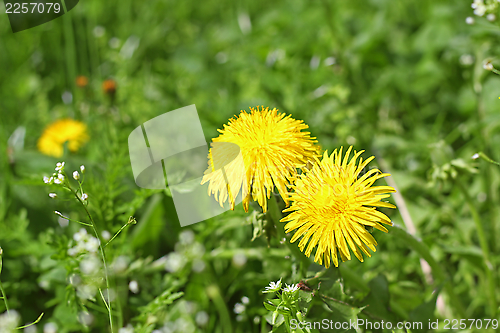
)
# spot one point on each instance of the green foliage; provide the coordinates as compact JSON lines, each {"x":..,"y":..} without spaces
{"x":408,"y":81}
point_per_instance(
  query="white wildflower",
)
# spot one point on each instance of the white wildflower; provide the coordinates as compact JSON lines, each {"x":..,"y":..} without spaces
{"x":488,"y":65}
{"x":133,"y":286}
{"x":198,"y":265}
{"x":175,"y":262}
{"x":9,"y":321}
{"x":469,"y":20}
{"x":186,"y":237}
{"x":239,"y":259}
{"x":85,"y":196}
{"x":82,"y":168}
{"x":76,"y":175}
{"x":89,"y":265}
{"x":245,"y":300}
{"x":290,"y":288}
{"x":59,"y":166}
{"x":53,"y":195}
{"x":201,"y":318}
{"x":239,"y":308}
{"x":106,"y":235}
{"x":81,"y":235}
{"x":92,"y":244}
{"x":50,"y":328}
{"x":273,"y":287}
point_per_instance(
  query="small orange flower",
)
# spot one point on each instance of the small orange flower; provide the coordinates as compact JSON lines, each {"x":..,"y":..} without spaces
{"x":82,"y":81}
{"x":109,"y":87}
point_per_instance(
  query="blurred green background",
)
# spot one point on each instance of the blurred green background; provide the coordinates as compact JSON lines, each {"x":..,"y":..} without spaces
{"x":403,"y":80}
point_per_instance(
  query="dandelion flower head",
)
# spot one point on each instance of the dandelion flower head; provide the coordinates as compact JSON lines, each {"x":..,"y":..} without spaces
{"x":332,"y":204}
{"x":272,"y":147}
{"x":61,"y":131}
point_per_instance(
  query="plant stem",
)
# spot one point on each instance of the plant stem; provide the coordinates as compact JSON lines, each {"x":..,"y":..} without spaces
{"x":4,"y":297}
{"x":118,"y":232}
{"x":69,"y":40}
{"x":103,"y":255}
{"x":489,"y":268}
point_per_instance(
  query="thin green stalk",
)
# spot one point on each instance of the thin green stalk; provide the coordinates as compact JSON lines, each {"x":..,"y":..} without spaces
{"x":103,"y":255}
{"x":437,"y":272}
{"x":33,"y":323}
{"x":483,"y":241}
{"x":4,"y":297}
{"x":131,"y":220}
{"x":69,"y":39}
{"x":213,"y":292}
{"x":486,"y":158}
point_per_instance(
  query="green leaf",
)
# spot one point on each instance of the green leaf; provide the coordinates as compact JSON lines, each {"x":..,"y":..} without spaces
{"x":424,"y":312}
{"x":269,"y":307}
{"x":377,"y":301}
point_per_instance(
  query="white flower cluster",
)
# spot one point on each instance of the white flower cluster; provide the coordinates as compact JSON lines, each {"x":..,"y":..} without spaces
{"x":290,"y":288}
{"x":57,"y":177}
{"x":276,"y":286}
{"x":9,"y":321}
{"x":481,"y":7}
{"x":84,"y":243}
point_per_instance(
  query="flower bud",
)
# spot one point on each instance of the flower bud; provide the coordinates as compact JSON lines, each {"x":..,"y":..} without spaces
{"x":76,"y":175}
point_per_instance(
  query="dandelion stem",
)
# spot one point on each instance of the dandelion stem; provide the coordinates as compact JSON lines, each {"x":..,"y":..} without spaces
{"x":489,"y":267}
{"x":103,"y":255}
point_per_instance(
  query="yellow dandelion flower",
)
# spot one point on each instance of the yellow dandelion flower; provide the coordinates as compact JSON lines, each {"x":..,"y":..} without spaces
{"x":56,"y":134}
{"x":272,"y":147}
{"x":331,"y":207}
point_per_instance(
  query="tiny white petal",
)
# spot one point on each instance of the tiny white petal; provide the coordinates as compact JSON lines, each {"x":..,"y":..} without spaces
{"x":52,"y":195}
{"x":133,"y":286}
